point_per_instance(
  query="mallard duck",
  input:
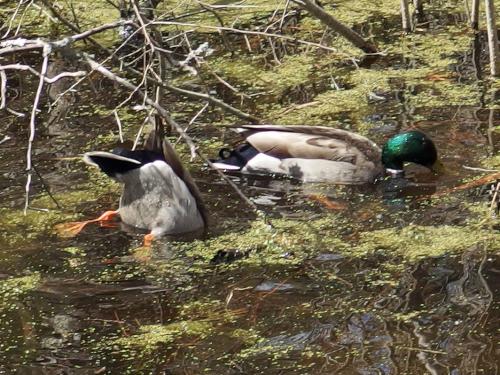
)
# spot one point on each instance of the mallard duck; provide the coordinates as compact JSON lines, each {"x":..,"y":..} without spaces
{"x":322,"y":154}
{"x":158,"y":195}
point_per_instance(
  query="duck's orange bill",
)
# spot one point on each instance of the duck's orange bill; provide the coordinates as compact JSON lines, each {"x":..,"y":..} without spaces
{"x":71,"y":229}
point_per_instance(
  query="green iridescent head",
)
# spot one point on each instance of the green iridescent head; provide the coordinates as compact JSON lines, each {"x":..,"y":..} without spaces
{"x":412,"y":146}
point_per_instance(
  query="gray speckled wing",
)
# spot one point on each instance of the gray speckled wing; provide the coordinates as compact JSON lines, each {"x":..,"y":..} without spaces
{"x":314,"y":153}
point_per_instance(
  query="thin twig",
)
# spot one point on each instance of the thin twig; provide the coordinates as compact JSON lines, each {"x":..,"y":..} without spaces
{"x":495,"y":196}
{"x":79,"y":73}
{"x":423,"y":350}
{"x":249,"y":32}
{"x":12,"y":18}
{"x":22,"y":44}
{"x":211,"y":100}
{"x":5,"y":139}
{"x":71,"y":26}
{"x":46,"y":187}
{"x":479,"y":169}
{"x":43,"y":71}
{"x":119,"y":123}
{"x":3,"y":89}
{"x":143,"y":27}
{"x":193,"y":120}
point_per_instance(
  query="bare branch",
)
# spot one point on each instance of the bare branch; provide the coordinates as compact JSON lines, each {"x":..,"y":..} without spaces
{"x":43,"y":71}
{"x":3,"y":89}
{"x":79,"y":73}
{"x":162,"y":111}
{"x":335,"y":25}
{"x":212,"y":100}
{"x":248,"y":32}
{"x":143,"y":27}
{"x":22,"y":44}
{"x":119,"y":123}
{"x":12,"y":18}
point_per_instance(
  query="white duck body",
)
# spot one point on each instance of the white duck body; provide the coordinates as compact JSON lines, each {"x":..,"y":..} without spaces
{"x":312,"y":153}
{"x":155,"y":198}
{"x":159,"y":194}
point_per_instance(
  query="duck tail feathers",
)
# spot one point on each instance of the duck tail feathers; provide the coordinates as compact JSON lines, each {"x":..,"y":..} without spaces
{"x":110,"y":163}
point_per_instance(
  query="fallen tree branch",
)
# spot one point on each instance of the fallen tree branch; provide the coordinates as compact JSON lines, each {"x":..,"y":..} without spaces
{"x":199,"y":96}
{"x":211,"y":100}
{"x":336,"y":26}
{"x":22,"y":44}
{"x":79,"y":73}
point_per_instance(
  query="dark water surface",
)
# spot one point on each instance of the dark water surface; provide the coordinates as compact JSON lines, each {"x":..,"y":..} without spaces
{"x":330,"y":313}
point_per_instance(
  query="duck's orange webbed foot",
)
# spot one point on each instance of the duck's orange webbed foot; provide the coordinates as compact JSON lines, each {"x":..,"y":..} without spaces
{"x":148,"y":240}
{"x":68,"y":230}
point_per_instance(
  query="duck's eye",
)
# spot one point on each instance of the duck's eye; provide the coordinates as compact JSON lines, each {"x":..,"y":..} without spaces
{"x":224,"y":153}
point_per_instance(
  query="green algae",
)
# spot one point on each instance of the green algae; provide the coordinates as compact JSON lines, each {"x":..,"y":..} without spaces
{"x":492,"y":162}
{"x":41,"y":220}
{"x":416,"y":241}
{"x":88,"y":14}
{"x":268,"y":245}
{"x":148,"y":338}
{"x":275,"y":80}
{"x":15,"y":288}
{"x":197,"y":321}
{"x":249,"y":337}
{"x":19,"y":228}
{"x":359,"y":12}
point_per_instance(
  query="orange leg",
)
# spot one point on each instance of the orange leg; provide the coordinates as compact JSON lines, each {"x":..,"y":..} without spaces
{"x":328,"y":203}
{"x":148,"y":240}
{"x":73,"y":228}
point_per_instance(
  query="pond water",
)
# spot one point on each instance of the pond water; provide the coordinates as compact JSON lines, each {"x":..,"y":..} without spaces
{"x":91,"y":304}
{"x":336,"y":279}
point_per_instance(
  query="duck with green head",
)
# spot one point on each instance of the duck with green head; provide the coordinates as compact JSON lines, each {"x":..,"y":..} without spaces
{"x":323,"y":154}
